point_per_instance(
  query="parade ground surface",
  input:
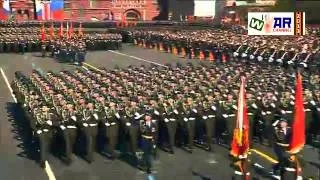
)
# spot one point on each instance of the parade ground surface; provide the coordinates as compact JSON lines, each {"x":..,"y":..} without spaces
{"x":17,"y":161}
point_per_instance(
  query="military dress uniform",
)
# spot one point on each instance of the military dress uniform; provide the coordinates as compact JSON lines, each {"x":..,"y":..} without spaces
{"x":170,"y":125}
{"x":110,"y":122}
{"x":148,"y":132}
{"x":89,"y":128}
{"x":206,"y":121}
{"x":68,"y":130}
{"x":188,"y":115}
{"x":282,"y":138}
{"x":130,"y":124}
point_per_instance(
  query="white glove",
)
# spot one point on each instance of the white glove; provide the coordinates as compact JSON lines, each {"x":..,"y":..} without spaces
{"x":117,"y":115}
{"x":260,"y":58}
{"x":85,"y":124}
{"x":243,"y":55}
{"x":318,"y":109}
{"x":176,"y":112}
{"x":290,"y":62}
{"x":313,"y":103}
{"x":273,"y":105}
{"x":235,"y":54}
{"x":283,"y":112}
{"x":234,"y":106}
{"x":107,"y":124}
{"x":39,"y":132}
{"x":156,"y":113}
{"x":254,"y":106}
{"x":49,"y":122}
{"x":194,"y":110}
{"x":166,"y":120}
{"x":62,"y":127}
{"x":185,"y":119}
{"x":213,"y":108}
{"x":95,"y":116}
{"x":204,"y":117}
{"x":270,"y":60}
{"x":128,"y":124}
{"x":74,"y":118}
{"x":225,"y":115}
{"x":251,"y":57}
{"x":279,"y":60}
{"x":291,"y":102}
{"x":274,"y":98}
{"x":304,"y":65}
{"x":136,"y":114}
{"x":263,"y":113}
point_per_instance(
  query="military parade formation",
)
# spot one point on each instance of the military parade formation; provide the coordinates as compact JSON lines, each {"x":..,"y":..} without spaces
{"x":222,"y":45}
{"x":139,"y":109}
{"x":163,"y":107}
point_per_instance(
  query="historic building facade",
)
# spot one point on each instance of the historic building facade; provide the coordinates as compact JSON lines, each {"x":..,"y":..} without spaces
{"x":94,"y":9}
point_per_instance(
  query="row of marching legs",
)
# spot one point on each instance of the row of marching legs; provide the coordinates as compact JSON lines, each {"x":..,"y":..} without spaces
{"x":184,"y":51}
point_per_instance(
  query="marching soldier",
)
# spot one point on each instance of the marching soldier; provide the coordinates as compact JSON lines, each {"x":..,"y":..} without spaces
{"x":68,"y":128}
{"x":111,"y":124}
{"x":148,"y":133}
{"x":43,"y":49}
{"x":89,"y":128}
{"x":282,"y":135}
{"x":170,"y":123}
{"x":208,"y":111}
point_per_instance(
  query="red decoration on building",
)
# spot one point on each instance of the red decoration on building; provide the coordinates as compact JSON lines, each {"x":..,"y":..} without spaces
{"x":95,"y":9}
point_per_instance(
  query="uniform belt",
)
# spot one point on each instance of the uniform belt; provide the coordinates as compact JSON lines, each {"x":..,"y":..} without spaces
{"x":290,"y":169}
{"x":240,"y":173}
{"x":92,"y":125}
{"x":282,"y":144}
{"x":71,"y":127}
{"x":147,"y":137}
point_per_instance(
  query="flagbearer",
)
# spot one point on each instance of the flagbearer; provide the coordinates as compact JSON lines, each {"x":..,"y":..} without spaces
{"x":292,"y":169}
{"x":240,"y":143}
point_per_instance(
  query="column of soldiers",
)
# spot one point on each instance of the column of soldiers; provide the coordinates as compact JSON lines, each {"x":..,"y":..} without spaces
{"x":181,"y":106}
{"x":223,"y":45}
{"x":19,"y":40}
{"x":73,"y":50}
{"x":27,"y":39}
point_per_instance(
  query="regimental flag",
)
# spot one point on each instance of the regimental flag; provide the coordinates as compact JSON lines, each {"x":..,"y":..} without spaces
{"x":61,"y":31}
{"x":5,"y":10}
{"x":43,"y":33}
{"x":52,"y":32}
{"x":298,"y":125}
{"x":240,"y":142}
{"x":80,"y":31}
